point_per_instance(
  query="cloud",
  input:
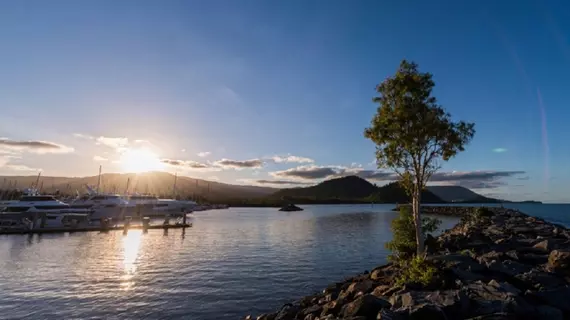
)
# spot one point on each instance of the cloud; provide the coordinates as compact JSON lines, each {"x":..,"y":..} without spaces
{"x":83,"y":136}
{"x":115,"y":143}
{"x":21,"y":167}
{"x":475,"y":179}
{"x":309,"y":172}
{"x":239,"y":164}
{"x":291,"y":159}
{"x":282,"y":182}
{"x":468,"y":179}
{"x":204,"y":154}
{"x":118,"y":143}
{"x":499,"y":150}
{"x":190,"y":165}
{"x":35,"y":146}
{"x":99,"y":158}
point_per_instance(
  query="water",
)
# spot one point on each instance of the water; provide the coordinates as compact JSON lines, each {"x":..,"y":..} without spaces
{"x":231,"y":263}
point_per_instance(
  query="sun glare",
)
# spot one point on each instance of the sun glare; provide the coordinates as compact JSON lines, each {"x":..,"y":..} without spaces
{"x":140,"y":160}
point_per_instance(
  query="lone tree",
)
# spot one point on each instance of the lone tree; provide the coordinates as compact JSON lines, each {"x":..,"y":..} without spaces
{"x":413,"y":133}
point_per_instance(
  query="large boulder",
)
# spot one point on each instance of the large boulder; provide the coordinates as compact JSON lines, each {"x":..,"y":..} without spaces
{"x":559,"y":261}
{"x":366,"y":306}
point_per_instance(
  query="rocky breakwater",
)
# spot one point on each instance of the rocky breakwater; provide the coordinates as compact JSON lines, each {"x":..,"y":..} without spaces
{"x":497,"y":264}
{"x":452,"y":211}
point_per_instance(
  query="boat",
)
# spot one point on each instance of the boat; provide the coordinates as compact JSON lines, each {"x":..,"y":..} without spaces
{"x":32,"y":201}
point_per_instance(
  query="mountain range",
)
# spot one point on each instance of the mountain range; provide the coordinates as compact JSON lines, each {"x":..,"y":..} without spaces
{"x":348,"y":189}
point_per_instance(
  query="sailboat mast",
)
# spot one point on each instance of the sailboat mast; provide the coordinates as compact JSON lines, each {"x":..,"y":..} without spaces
{"x":174,"y":186}
{"x":38,"y":179}
{"x":99,"y":180}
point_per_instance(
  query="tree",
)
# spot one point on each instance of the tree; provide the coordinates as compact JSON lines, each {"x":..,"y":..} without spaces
{"x":413,"y":133}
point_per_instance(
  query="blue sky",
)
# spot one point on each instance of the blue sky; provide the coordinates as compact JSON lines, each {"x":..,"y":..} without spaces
{"x":284,"y":84}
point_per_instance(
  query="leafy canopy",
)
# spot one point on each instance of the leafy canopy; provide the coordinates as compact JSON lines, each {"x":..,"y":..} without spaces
{"x":404,"y":244}
{"x":411,"y":131}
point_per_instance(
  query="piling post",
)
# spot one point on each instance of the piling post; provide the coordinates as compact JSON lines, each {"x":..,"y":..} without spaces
{"x":145,"y":224}
{"x":184,"y":219}
{"x":43,"y":221}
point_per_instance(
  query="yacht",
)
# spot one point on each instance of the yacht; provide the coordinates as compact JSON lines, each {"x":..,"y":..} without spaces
{"x":39,"y":203}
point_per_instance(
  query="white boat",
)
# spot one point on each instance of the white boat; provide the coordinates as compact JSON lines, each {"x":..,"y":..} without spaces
{"x":39,"y":203}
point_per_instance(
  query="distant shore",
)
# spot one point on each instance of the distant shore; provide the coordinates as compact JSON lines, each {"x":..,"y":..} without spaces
{"x":502,"y":264}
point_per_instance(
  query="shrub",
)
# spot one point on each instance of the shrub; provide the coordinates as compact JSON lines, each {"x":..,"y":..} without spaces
{"x":477,"y":215}
{"x":416,"y":271}
{"x":403,"y":245}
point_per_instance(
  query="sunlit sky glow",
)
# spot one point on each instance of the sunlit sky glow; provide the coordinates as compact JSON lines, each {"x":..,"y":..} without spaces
{"x":278,"y":93}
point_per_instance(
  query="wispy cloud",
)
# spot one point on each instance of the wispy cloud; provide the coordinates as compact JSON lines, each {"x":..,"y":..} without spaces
{"x":282,"y":182}
{"x":21,"y":167}
{"x":291,"y":159}
{"x":115,"y":143}
{"x":190,"y":165}
{"x":469,"y":179}
{"x":239,"y":164}
{"x":499,"y":150}
{"x":100,"y":159}
{"x":204,"y":154}
{"x":308,"y":172}
{"x":35,"y":146}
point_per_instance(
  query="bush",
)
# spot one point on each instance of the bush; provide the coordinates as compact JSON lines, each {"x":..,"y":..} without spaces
{"x":403,"y":245}
{"x":416,"y":271}
{"x":478,"y":215}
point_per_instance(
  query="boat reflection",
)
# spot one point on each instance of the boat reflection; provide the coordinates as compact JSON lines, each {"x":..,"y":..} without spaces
{"x":131,"y":243}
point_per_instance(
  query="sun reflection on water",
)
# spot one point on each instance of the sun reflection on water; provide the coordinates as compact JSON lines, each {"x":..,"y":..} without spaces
{"x":131,"y":244}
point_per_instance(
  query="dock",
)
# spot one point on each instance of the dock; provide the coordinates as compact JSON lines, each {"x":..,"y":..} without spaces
{"x":95,"y":229}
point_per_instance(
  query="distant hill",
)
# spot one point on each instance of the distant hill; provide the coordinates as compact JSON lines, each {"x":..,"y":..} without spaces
{"x":161,"y":183}
{"x":460,"y":194}
{"x":394,"y":193}
{"x":351,"y":187}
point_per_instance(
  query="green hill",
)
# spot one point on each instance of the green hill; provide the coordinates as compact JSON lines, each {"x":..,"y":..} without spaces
{"x":351,"y":187}
{"x":394,"y":193}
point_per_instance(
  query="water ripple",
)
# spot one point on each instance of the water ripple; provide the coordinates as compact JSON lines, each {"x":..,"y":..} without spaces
{"x":231,"y":263}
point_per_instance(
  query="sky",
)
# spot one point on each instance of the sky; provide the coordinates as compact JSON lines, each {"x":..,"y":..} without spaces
{"x":278,"y":93}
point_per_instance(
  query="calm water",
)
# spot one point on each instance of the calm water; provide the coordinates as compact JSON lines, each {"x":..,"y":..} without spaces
{"x":231,"y":263}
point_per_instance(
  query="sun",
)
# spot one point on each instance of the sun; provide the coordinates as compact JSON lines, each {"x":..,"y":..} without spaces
{"x":140,"y":160}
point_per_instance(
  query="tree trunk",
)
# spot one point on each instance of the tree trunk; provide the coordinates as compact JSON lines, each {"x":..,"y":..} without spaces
{"x":417,"y":220}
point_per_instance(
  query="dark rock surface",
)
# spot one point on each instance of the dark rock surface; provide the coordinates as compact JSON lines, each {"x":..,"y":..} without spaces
{"x":499,"y":265}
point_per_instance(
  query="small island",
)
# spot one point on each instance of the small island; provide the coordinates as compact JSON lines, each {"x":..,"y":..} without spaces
{"x":290,"y":207}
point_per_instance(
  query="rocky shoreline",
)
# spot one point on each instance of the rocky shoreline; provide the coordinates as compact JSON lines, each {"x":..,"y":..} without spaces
{"x":502,"y":264}
{"x":450,"y":211}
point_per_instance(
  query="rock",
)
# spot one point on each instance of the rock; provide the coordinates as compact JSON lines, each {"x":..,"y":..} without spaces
{"x":313,"y":310}
{"x":508,"y":267}
{"x":543,"y":245}
{"x":453,"y":303}
{"x":381,"y":290}
{"x":541,"y":280}
{"x":559,"y":261}
{"x":557,"y":298}
{"x":366,"y":306}
{"x":490,"y":256}
{"x":495,"y":316}
{"x":423,"y":311}
{"x":504,"y":287}
{"x":267,"y":316}
{"x":550,"y":313}
{"x":458,"y":260}
{"x":386,"y":314}
{"x":331,"y":308}
{"x":288,"y":312}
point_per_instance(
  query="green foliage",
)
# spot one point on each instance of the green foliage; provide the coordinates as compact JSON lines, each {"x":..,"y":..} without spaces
{"x":404,"y":245}
{"x":394,"y":193}
{"x":412,"y":132}
{"x":416,"y":271}
{"x":478,"y":215}
{"x":410,"y":129}
{"x":467,"y":252}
